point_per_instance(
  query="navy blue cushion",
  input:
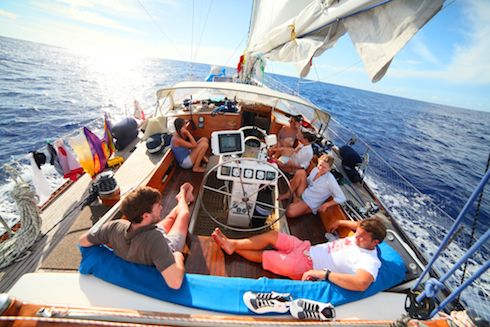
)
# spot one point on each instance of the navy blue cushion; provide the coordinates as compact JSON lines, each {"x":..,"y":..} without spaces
{"x":350,"y":158}
{"x":157,"y":142}
{"x":197,"y":290}
{"x":125,"y":132}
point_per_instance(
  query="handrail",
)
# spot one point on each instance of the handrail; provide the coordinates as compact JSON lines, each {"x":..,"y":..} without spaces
{"x":470,"y":201}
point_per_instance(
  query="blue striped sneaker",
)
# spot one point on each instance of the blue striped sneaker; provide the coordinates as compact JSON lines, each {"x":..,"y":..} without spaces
{"x":312,"y":310}
{"x":267,"y":302}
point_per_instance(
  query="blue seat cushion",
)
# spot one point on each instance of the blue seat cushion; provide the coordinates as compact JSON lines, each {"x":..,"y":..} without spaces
{"x":198,"y":291}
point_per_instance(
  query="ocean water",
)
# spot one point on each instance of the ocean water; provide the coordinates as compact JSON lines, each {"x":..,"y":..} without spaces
{"x":48,"y":92}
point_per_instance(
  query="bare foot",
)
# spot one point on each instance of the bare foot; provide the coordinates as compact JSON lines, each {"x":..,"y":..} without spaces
{"x":187,"y":189}
{"x":185,"y":192}
{"x":222,"y":241}
{"x":206,"y":160}
{"x":189,"y":197}
{"x":199,"y":169}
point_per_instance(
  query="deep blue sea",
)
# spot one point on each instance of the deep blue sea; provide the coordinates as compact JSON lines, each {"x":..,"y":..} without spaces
{"x":47,"y":92}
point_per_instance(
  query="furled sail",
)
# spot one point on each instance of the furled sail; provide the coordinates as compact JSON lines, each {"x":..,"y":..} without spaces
{"x":298,"y":30}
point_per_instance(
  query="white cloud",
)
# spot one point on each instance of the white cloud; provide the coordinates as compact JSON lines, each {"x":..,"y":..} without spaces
{"x":423,"y":50}
{"x":471,"y":62}
{"x":411,"y":62}
{"x":8,"y":14}
{"x":85,"y":16}
{"x":115,"y":5}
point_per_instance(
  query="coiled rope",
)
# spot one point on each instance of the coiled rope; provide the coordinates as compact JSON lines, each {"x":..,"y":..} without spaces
{"x":30,"y":219}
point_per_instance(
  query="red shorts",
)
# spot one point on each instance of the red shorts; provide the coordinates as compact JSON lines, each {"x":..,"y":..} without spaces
{"x":291,"y":259}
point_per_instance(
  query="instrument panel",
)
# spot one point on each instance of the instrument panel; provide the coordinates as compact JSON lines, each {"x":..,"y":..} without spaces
{"x":248,"y":172}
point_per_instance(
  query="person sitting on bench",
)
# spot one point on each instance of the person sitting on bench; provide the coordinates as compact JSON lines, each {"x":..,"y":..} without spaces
{"x":145,"y":237}
{"x":310,"y":192}
{"x":351,"y":263}
{"x":302,"y":157}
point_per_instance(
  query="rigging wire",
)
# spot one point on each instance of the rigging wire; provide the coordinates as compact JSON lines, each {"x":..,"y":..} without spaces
{"x":161,"y":30}
{"x":477,"y":213}
{"x":192,"y":39}
{"x":233,"y":54}
{"x":193,"y":60}
{"x":203,"y":29}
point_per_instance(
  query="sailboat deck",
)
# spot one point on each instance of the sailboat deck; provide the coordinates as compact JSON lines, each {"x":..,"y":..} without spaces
{"x":63,"y":223}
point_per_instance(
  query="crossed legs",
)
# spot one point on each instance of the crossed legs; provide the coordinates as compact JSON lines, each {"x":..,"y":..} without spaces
{"x":177,"y":221}
{"x":198,"y":154}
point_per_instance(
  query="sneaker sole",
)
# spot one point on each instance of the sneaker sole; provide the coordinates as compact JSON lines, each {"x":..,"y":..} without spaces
{"x":280,"y":307}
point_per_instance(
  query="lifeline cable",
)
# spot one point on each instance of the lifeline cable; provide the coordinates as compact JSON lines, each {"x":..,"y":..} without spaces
{"x":474,"y":224}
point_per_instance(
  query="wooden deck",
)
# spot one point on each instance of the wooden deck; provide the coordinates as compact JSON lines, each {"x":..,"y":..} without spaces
{"x":203,"y":256}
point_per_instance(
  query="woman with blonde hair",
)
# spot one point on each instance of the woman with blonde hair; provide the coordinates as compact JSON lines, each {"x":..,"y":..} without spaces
{"x":310,"y":192}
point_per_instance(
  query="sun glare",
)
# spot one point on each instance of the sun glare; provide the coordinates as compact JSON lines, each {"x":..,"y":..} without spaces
{"x":117,"y":77}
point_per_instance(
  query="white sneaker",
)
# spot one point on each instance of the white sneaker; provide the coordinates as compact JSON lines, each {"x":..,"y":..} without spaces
{"x":267,"y":302}
{"x":313,"y":310}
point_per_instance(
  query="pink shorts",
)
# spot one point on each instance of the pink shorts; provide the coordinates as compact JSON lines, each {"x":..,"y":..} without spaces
{"x":291,"y":259}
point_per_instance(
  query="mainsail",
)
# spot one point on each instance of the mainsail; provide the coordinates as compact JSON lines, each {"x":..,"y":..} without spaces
{"x":298,"y":30}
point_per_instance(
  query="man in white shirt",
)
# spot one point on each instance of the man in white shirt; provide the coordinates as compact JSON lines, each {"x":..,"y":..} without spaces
{"x":351,"y":263}
{"x":302,"y":158}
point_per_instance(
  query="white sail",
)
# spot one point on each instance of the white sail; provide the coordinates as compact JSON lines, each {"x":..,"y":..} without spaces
{"x":298,"y":30}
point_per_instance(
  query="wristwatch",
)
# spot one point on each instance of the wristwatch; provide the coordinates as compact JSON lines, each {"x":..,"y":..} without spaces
{"x":327,"y":274}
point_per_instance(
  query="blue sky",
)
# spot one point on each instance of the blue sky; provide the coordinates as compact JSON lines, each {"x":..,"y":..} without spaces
{"x":447,"y":62}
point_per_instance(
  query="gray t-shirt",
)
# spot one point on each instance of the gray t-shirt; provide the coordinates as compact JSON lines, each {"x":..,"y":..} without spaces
{"x":146,"y":245}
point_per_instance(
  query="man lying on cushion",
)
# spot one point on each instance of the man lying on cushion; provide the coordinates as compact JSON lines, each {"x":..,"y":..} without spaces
{"x":351,"y":263}
{"x":146,"y":238}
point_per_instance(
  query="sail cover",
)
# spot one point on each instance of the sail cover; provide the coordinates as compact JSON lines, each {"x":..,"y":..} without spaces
{"x":298,"y":30}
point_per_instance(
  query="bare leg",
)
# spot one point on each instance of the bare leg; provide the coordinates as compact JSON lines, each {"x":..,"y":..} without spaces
{"x":177,"y":221}
{"x":301,"y":182}
{"x":197,"y":156}
{"x":287,"y":168}
{"x":204,"y":140}
{"x":298,"y":185}
{"x":249,"y":248}
{"x":297,"y":208}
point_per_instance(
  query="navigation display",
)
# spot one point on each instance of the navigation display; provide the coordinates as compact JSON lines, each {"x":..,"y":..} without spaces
{"x":227,"y":142}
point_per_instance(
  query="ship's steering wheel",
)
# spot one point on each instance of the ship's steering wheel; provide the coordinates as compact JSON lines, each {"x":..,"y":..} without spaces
{"x":212,"y":187}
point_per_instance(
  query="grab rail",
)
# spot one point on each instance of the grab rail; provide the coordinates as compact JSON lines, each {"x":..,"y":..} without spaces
{"x":434,"y":285}
{"x":446,"y":240}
